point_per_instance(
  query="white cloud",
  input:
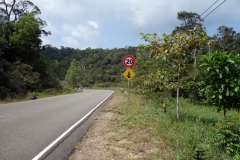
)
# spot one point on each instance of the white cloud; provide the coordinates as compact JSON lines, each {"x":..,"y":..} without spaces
{"x":88,"y":32}
{"x":151,"y":15}
{"x":91,"y":46}
{"x":84,"y":32}
{"x":51,"y":28}
{"x":71,"y":42}
{"x":66,"y":27}
{"x":49,"y":4}
{"x":93,"y":24}
{"x":138,"y":17}
{"x":120,"y":21}
{"x":45,"y":41}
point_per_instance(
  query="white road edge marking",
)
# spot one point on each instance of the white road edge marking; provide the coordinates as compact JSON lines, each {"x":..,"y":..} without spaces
{"x":67,"y":131}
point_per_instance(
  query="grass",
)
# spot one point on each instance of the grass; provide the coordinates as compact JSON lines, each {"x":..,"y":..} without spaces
{"x":190,"y":137}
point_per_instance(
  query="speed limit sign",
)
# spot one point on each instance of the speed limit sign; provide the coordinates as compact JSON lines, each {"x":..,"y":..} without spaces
{"x":129,"y":61}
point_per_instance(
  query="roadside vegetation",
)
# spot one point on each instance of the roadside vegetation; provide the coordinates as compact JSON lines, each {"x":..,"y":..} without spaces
{"x":143,"y":130}
{"x":193,"y":69}
{"x":200,"y":132}
{"x":43,"y":94}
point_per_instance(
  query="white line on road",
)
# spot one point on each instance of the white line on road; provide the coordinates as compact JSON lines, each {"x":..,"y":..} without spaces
{"x":67,"y":131}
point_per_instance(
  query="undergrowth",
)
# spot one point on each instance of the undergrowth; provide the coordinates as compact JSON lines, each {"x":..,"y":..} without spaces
{"x":46,"y":93}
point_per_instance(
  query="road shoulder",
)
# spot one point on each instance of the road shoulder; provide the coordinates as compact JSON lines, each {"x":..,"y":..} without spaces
{"x":107,"y":139}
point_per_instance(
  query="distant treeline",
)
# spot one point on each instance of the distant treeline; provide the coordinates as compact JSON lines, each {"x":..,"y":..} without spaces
{"x":96,"y":65}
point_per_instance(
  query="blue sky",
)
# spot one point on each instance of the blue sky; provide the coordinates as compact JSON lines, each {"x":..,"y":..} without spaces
{"x":117,"y":23}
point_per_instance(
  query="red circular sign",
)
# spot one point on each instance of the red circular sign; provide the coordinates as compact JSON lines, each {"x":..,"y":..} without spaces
{"x":129,"y":61}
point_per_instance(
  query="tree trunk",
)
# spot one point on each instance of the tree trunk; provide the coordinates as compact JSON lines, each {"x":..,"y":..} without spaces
{"x":224,"y":111}
{"x":209,"y":47}
{"x":195,"y":58}
{"x":9,"y":9}
{"x":178,"y":87}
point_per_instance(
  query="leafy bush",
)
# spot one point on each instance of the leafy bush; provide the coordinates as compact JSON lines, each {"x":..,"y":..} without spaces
{"x":67,"y":90}
{"x":4,"y":92}
{"x":223,"y":78}
{"x":197,"y":153}
{"x":51,"y":91}
{"x":104,"y":84}
{"x":228,"y":137}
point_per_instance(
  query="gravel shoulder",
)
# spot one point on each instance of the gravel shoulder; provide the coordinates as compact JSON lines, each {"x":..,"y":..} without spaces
{"x":108,"y":140}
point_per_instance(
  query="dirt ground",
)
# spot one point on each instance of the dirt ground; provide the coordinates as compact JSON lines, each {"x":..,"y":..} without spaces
{"x":107,"y":140}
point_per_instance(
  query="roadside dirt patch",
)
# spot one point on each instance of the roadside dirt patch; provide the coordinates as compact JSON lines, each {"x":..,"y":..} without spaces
{"x":107,"y":140}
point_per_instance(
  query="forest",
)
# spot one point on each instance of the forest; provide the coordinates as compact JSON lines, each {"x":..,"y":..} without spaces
{"x":102,"y":67}
{"x":23,"y":68}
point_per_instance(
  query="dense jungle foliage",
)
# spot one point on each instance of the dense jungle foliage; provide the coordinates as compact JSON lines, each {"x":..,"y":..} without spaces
{"x":22,"y":68}
{"x":96,"y":65}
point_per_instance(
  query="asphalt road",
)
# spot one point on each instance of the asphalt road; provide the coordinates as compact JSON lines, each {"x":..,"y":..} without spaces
{"x":26,"y":128}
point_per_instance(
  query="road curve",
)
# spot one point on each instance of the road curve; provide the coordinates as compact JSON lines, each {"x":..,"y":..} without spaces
{"x":27,"y":128}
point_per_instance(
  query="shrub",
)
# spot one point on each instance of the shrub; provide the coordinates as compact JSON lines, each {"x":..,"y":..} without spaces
{"x":228,"y":137}
{"x":51,"y":91}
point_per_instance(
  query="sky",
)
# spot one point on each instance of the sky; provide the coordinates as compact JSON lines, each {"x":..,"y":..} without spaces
{"x":117,"y":23}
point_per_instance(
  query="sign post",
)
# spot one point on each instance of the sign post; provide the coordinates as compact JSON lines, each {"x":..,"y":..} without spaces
{"x":129,"y":62}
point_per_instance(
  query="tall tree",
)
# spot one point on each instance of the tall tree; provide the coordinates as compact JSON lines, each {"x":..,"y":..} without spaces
{"x":189,"y":21}
{"x":22,"y":67}
{"x":12,"y":12}
{"x":74,"y":74}
{"x":227,"y":40}
{"x":176,"y":49}
{"x":26,"y":34}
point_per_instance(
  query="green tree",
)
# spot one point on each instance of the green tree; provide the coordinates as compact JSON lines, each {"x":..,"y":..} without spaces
{"x":26,"y":35}
{"x":12,"y":12}
{"x":227,"y":39}
{"x":189,"y":21}
{"x":193,"y":82}
{"x":25,"y":46}
{"x":74,"y":75}
{"x":97,"y":65}
{"x":223,"y":73}
{"x":175,"y":49}
{"x":22,"y":67}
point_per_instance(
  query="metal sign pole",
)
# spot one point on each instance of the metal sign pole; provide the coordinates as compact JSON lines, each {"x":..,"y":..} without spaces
{"x":128,"y":92}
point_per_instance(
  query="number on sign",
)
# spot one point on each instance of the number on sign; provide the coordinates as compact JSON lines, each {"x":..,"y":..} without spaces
{"x":129,"y":61}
